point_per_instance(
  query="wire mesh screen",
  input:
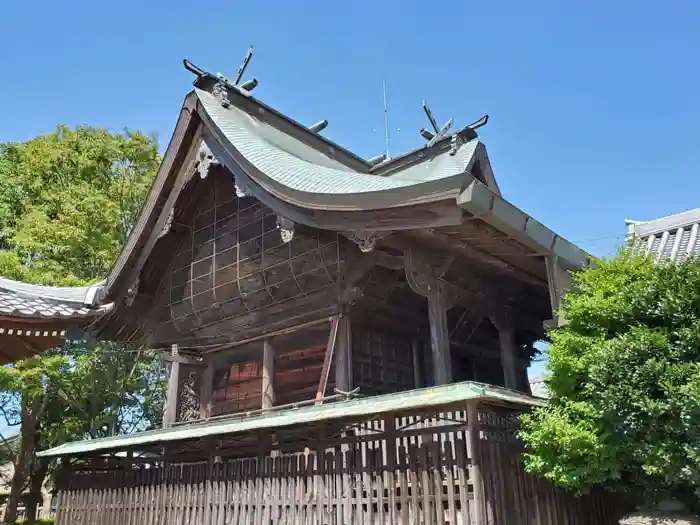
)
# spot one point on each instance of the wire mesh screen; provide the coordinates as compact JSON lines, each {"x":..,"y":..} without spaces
{"x":233,"y":265}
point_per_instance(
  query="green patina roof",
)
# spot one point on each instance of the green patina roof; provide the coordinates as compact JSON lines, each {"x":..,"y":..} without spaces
{"x":356,"y":408}
{"x":297,"y":166}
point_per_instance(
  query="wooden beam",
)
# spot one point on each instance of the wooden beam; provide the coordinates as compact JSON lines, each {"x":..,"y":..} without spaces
{"x":471,"y":252}
{"x":327,"y":359}
{"x":560,"y":282}
{"x":171,"y":397}
{"x":482,"y":352}
{"x":206,"y":390}
{"x":487,"y":297}
{"x":268,"y":375}
{"x":183,"y":359}
{"x":268,"y":333}
{"x":474,"y":452}
{"x":343,"y":355}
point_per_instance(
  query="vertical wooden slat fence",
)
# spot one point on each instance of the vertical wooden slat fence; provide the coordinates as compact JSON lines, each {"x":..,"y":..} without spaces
{"x":405,"y":470}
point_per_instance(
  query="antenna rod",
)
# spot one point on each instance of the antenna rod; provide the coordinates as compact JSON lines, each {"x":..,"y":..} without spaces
{"x":386,"y":119}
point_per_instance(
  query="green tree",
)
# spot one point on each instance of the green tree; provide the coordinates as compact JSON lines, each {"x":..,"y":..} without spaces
{"x":78,"y":392}
{"x":624,"y":380}
{"x":68,"y":201}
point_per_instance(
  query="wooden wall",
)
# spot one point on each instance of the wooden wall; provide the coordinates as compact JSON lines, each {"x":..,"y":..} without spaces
{"x":232,"y":273}
{"x":382,"y":360}
{"x":297,"y":370}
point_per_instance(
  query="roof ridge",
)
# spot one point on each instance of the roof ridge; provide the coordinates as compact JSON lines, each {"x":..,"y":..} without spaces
{"x":207,"y":81}
{"x":690,"y":213}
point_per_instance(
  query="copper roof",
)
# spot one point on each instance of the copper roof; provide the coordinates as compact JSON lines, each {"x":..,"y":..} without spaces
{"x":260,"y":420}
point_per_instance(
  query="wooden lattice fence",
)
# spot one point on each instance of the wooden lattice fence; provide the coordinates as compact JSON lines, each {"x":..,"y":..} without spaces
{"x":389,"y":471}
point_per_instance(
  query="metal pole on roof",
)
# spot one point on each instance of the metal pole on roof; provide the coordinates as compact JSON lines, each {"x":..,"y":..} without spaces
{"x":386,"y":119}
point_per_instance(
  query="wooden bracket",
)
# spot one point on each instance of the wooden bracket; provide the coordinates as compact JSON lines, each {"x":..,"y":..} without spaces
{"x":366,"y":240}
{"x":425,"y":279}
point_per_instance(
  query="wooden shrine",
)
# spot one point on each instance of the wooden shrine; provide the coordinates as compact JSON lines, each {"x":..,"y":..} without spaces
{"x":285,"y":277}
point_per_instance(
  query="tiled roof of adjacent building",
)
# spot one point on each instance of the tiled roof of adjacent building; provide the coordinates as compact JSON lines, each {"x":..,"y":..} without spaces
{"x":674,"y":237}
{"x":30,"y":300}
{"x":538,"y":387}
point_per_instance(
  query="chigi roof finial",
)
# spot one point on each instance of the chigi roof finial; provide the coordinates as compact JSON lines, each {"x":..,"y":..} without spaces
{"x":248,"y":85}
{"x":433,"y":136}
{"x":221,"y":88}
{"x":438,"y":133}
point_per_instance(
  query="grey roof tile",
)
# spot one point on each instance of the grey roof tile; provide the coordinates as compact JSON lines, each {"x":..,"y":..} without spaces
{"x":30,"y":300}
{"x":538,"y":387}
{"x":675,"y":237}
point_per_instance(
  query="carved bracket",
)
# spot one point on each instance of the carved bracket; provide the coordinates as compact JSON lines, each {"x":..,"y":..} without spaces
{"x":168,"y":224}
{"x":425,"y":279}
{"x":205,"y":160}
{"x":286,"y":227}
{"x":365,"y":240}
{"x":502,"y":320}
{"x":419,"y":276}
{"x":242,"y":189}
{"x":455,"y":143}
{"x":131,"y":293}
{"x":220,"y":91}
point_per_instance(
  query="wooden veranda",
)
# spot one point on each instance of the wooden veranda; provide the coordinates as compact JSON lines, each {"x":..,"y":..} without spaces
{"x":436,"y":462}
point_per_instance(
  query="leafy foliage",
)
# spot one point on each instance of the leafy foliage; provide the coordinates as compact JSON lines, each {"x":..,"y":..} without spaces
{"x":624,"y":380}
{"x":68,"y":201}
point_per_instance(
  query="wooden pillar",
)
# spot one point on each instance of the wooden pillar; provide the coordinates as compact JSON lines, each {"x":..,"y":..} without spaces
{"x":268,"y":375}
{"x":417,"y":363}
{"x":439,"y":336}
{"x":506,"y":338}
{"x":343,"y":355}
{"x":474,"y":451}
{"x":424,"y":281}
{"x":171,"y":397}
{"x":206,"y":390}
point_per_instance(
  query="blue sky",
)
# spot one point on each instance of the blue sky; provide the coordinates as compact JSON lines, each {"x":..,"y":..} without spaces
{"x":594,"y":106}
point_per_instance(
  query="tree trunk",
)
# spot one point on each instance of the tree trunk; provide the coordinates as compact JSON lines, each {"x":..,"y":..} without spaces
{"x":36,"y":483}
{"x":30,"y":415}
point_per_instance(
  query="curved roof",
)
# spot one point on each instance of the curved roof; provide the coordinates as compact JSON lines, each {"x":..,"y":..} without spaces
{"x":309,"y":180}
{"x":19,"y":299}
{"x":289,"y":163}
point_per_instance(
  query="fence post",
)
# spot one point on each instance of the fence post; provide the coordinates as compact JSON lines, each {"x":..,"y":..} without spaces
{"x":474,"y":450}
